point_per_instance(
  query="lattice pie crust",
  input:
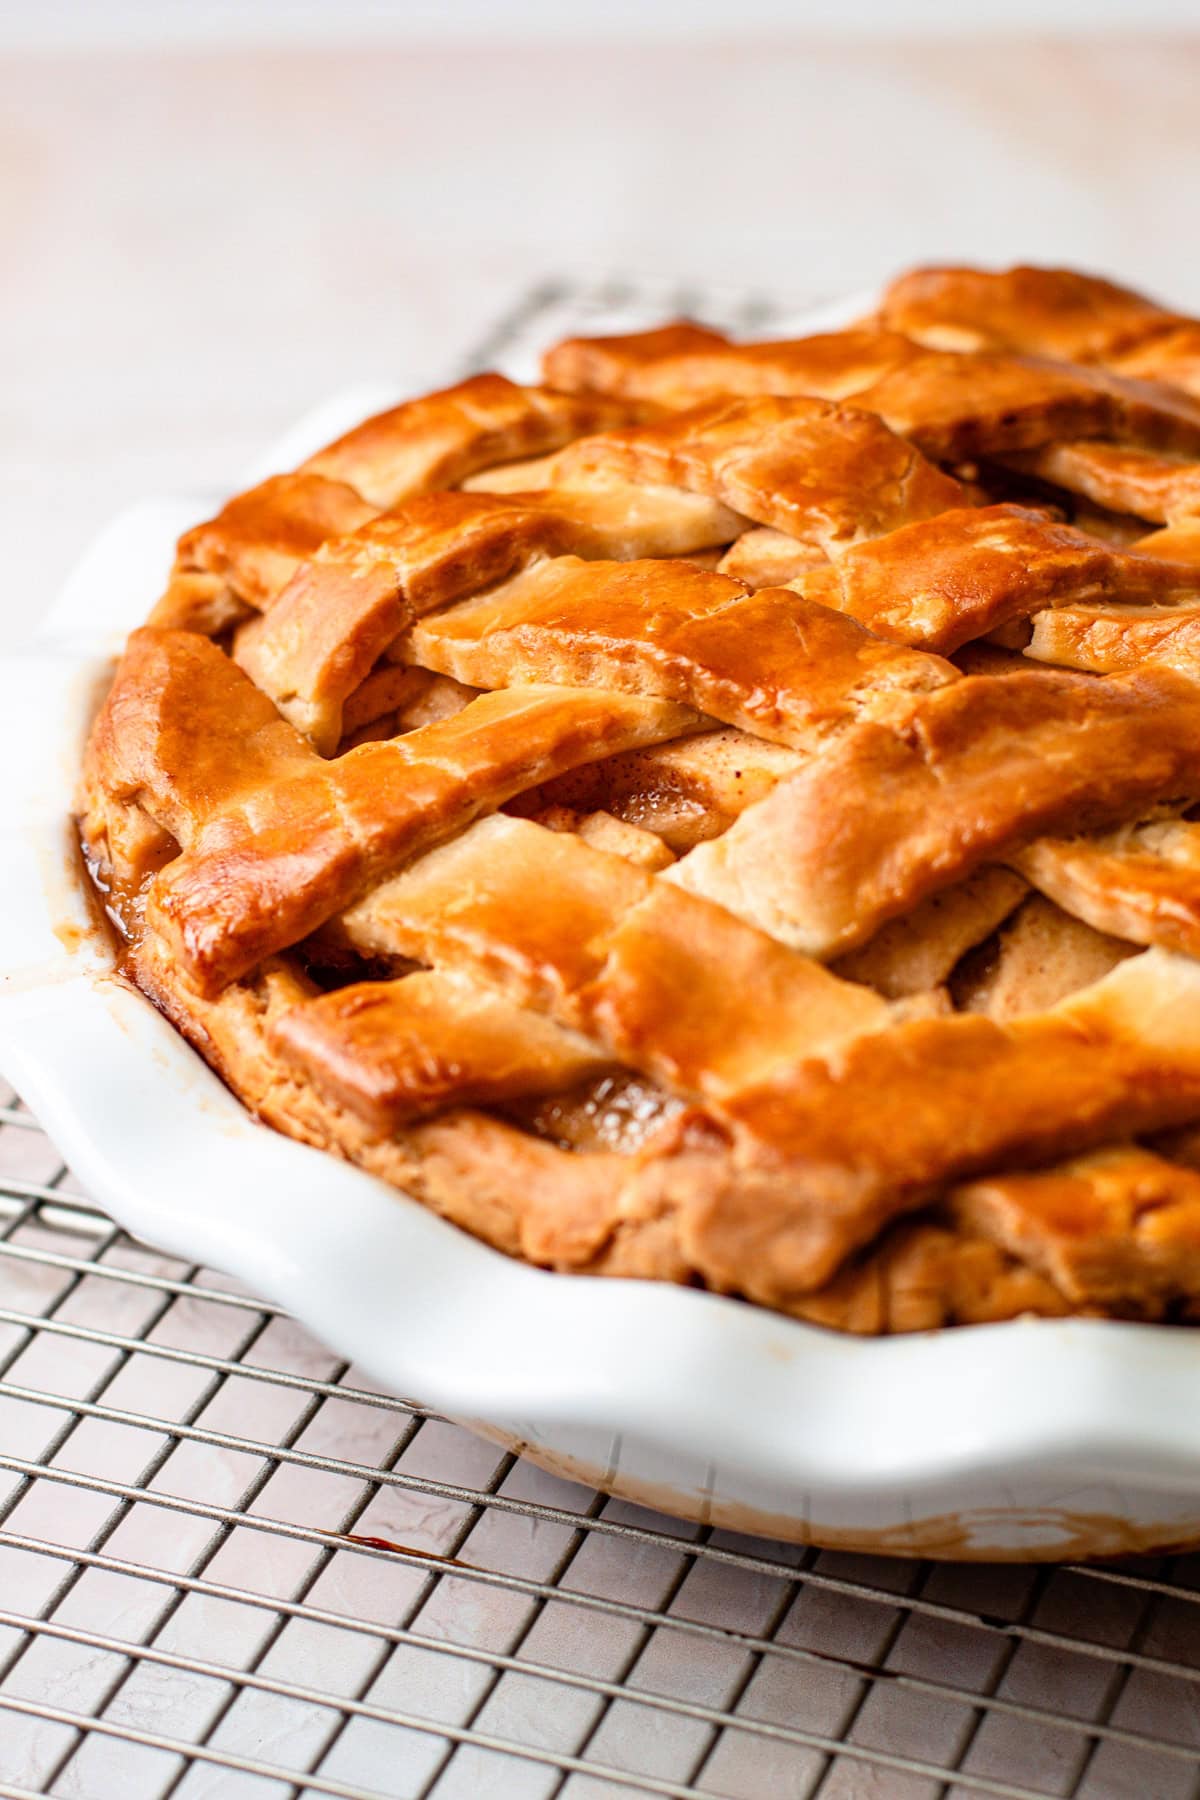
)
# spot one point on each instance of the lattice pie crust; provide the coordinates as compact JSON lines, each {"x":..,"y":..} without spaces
{"x":725,"y":815}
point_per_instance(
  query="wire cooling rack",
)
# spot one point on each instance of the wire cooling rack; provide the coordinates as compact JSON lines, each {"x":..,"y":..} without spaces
{"x":232,"y":1569}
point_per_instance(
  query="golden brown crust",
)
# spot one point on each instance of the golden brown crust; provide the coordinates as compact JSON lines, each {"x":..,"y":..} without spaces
{"x":394,"y":1050}
{"x":438,"y":440}
{"x":599,"y":1212}
{"x":1122,"y":1056}
{"x":681,"y":364}
{"x":920,"y":1277}
{"x":160,"y":743}
{"x":346,"y":608}
{"x":945,"y":581}
{"x":611,"y":365}
{"x":248,"y":886}
{"x":772,"y":662}
{"x":1111,"y":639}
{"x":825,"y":475}
{"x":1171,"y":355}
{"x":658,"y":978}
{"x":1181,"y":542}
{"x":1118,"y":478}
{"x":886,"y":816}
{"x":955,"y":403}
{"x":1118,"y":1228}
{"x":766,"y":558}
{"x":1140,"y":883}
{"x":1051,"y":312}
{"x":239,"y":561}
{"x":518,"y":1192}
{"x":545,"y":954}
{"x":959,"y":407}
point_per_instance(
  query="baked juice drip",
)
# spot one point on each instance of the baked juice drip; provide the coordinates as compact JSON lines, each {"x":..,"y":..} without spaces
{"x":117,"y":906}
{"x":724,"y":815}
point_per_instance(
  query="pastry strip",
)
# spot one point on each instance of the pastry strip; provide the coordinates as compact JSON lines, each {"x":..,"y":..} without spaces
{"x":441,"y":438}
{"x":610,"y":952}
{"x":826,"y":475}
{"x":884,"y":817}
{"x":277,"y":840}
{"x":237,"y":563}
{"x":346,"y":608}
{"x":1141,"y":883}
{"x":1121,"y":1056}
{"x":945,"y":581}
{"x":1124,"y":480}
{"x":1114,"y":639}
{"x":395,"y":1050}
{"x":1120,"y":1227}
{"x":773,"y":662}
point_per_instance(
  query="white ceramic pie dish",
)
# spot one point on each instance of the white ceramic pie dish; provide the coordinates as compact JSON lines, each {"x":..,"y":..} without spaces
{"x":1034,"y":1439}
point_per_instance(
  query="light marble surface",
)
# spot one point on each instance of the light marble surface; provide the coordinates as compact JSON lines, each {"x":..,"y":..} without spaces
{"x":50,"y":24}
{"x":198,"y":245}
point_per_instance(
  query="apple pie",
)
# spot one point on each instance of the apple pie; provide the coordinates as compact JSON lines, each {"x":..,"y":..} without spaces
{"x":729,"y":814}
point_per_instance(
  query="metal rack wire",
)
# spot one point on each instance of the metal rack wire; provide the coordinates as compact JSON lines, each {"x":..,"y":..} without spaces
{"x":229,"y":1566}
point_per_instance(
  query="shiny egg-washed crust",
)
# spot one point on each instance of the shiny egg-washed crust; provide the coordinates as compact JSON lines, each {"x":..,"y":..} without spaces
{"x":722,"y":816}
{"x":1049,"y":312}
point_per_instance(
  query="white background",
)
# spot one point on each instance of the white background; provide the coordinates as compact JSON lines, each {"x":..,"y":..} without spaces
{"x":212,"y":215}
{"x":121,"y":22}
